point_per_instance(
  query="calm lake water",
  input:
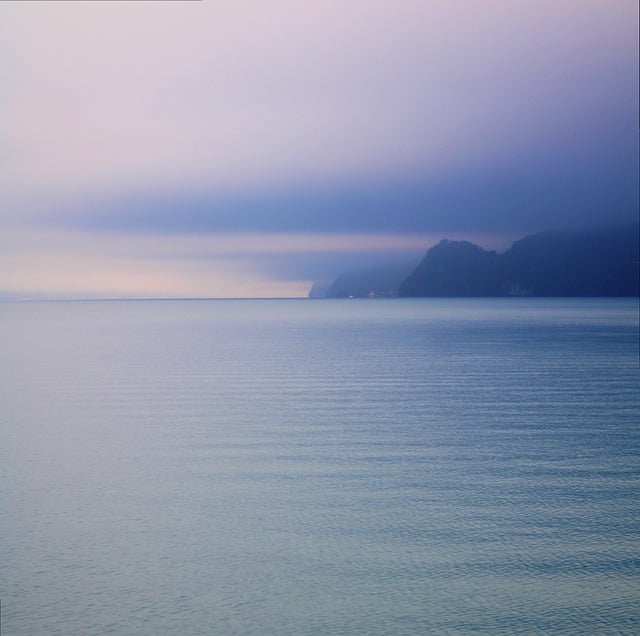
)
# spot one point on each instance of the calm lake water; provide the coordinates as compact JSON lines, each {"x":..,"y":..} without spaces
{"x":320,"y":467}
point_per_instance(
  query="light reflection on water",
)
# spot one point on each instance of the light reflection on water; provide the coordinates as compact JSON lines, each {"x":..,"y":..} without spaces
{"x":316,"y":467}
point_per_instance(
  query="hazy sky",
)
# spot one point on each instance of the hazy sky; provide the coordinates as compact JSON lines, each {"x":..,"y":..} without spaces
{"x":249,"y":148}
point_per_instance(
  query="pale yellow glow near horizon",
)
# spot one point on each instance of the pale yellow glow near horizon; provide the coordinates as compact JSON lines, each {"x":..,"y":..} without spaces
{"x":59,"y":263}
{"x":77,"y":276}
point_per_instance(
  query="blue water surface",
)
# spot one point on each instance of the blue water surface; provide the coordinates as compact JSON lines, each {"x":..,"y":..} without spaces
{"x":320,"y":467}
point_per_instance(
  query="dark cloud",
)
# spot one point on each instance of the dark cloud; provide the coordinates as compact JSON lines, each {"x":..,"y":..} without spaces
{"x":525,"y":197}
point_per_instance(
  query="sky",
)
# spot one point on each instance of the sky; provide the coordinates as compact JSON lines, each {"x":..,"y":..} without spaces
{"x":248,"y":149}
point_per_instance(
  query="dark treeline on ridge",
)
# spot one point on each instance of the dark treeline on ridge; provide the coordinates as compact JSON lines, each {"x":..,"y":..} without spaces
{"x":601,"y":262}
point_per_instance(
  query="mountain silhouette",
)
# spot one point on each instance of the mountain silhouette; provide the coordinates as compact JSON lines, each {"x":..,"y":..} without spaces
{"x":602,"y":262}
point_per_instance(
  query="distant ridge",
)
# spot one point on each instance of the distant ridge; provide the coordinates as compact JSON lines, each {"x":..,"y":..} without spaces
{"x":596,"y":262}
{"x":382,"y":281}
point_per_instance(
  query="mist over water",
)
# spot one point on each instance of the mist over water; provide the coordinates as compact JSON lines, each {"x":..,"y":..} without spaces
{"x":320,"y":467}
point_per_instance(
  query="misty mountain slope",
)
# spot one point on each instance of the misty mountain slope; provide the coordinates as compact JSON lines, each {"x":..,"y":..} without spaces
{"x":601,"y":262}
{"x":383,"y":280}
{"x":574,"y":263}
{"x":454,"y":268}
